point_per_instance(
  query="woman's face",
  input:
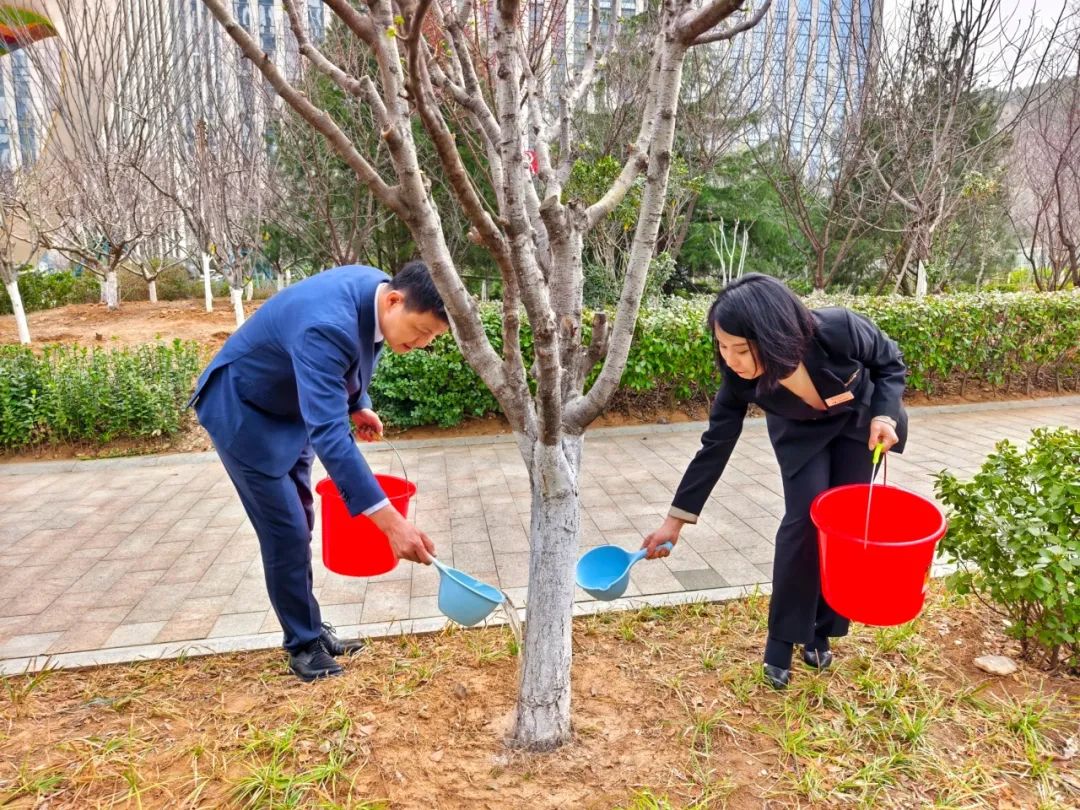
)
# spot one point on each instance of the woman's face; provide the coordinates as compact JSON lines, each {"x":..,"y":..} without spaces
{"x":739,"y":354}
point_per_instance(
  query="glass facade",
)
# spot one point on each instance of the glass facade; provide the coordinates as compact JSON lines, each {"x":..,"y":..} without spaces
{"x":24,"y":107}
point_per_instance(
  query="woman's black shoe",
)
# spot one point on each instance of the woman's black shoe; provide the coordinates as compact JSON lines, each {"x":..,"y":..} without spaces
{"x":818,"y":659}
{"x":777,"y":678}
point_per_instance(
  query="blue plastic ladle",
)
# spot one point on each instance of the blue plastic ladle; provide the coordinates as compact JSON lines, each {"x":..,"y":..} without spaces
{"x":604,"y":572}
{"x":463,"y":598}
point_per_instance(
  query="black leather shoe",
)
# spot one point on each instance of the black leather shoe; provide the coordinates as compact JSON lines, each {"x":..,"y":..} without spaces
{"x":818,"y":659}
{"x":777,"y":678}
{"x":313,"y":662}
{"x":334,"y":645}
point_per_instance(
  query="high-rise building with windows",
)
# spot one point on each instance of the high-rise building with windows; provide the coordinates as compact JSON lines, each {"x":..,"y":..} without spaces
{"x":32,"y":73}
{"x":805,"y":62}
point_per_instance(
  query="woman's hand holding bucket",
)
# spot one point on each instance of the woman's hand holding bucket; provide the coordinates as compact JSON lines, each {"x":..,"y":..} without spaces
{"x":883,"y":433}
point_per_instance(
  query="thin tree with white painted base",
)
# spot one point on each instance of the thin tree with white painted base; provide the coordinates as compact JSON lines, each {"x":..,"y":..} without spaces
{"x":445,"y":64}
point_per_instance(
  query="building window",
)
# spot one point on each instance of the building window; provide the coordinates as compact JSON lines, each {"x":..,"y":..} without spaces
{"x":243,"y":13}
{"x":5,"y":142}
{"x":266,"y":26}
{"x":24,"y":106}
{"x":315,"y":20}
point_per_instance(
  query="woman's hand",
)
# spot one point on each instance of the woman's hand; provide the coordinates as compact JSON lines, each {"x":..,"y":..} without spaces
{"x":881,"y":432}
{"x":667,"y":533}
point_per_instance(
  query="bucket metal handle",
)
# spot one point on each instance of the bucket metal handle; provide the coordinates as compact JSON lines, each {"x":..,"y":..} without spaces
{"x":382,"y":438}
{"x":880,"y":454}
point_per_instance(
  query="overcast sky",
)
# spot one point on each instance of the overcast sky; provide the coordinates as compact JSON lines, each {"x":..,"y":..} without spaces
{"x":1014,"y":18}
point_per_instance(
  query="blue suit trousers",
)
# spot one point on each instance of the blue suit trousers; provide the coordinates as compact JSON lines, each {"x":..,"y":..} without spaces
{"x":282,"y":511}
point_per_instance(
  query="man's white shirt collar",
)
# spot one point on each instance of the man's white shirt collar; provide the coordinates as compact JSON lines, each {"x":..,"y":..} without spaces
{"x":378,"y":331}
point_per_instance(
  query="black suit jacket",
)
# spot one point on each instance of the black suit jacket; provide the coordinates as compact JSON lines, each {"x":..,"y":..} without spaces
{"x":848,"y":354}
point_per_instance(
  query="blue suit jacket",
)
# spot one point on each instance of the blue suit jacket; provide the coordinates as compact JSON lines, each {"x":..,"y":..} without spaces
{"x":292,"y":374}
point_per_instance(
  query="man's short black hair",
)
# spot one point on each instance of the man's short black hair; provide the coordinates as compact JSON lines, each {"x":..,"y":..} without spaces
{"x":421,"y":295}
{"x":765,"y":312}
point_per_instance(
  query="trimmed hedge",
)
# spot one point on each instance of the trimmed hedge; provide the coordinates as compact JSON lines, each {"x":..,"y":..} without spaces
{"x":1005,"y":340}
{"x":1009,"y":341}
{"x":70,"y":393}
{"x":40,"y":291}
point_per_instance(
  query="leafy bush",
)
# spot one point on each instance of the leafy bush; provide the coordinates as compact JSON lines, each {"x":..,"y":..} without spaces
{"x":69,"y":393}
{"x":1005,"y":340}
{"x":1018,"y":520}
{"x":56,"y":289}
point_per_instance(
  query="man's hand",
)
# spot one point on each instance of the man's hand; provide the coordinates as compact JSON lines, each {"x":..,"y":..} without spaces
{"x":407,"y":541}
{"x":369,"y":426}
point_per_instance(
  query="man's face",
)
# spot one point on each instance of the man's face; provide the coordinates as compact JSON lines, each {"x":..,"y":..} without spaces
{"x":403,"y":330}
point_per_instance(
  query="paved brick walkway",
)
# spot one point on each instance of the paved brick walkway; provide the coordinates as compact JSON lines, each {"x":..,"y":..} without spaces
{"x":123,"y":559}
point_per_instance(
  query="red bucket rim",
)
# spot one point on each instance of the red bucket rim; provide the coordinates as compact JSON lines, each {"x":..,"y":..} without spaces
{"x":933,"y":537}
{"x":325,"y":485}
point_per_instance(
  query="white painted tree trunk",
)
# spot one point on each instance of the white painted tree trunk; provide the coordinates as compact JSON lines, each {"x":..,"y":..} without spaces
{"x":543,"y":708}
{"x":280,"y":281}
{"x":237,"y":295}
{"x":920,"y":280}
{"x":288,"y":277}
{"x":18,"y":309}
{"x":112,"y":290}
{"x":208,"y":291}
{"x":151,"y":287}
{"x":249,"y":290}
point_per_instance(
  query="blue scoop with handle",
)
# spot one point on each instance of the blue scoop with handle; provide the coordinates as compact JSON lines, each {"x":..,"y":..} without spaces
{"x":465,"y":599}
{"x":604,"y":572}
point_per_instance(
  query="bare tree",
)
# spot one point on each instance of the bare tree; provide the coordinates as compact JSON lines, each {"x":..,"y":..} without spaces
{"x":939,"y":89}
{"x":726,"y":247}
{"x":1045,"y":173}
{"x":426,"y":61}
{"x":106,"y":82}
{"x":817,"y":158}
{"x":152,"y":257}
{"x":720,"y":98}
{"x":20,"y":235}
{"x":323,"y":213}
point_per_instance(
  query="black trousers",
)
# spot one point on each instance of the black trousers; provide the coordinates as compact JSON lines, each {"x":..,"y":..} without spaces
{"x":282,"y":512}
{"x":797,"y":611}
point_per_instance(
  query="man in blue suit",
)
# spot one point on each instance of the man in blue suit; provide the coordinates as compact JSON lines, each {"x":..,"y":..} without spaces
{"x":279,"y":392}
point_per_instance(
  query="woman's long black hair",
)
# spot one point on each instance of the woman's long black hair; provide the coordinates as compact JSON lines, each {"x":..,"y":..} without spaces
{"x":771,"y":317}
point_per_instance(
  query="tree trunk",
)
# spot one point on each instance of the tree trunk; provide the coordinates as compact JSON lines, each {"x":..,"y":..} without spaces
{"x":249,"y":290}
{"x":151,"y":287}
{"x":543,"y":708}
{"x":237,"y":295}
{"x":920,"y":280}
{"x":112,"y":290}
{"x":288,"y":277}
{"x":18,"y":309}
{"x":208,"y":291}
{"x":280,"y":281}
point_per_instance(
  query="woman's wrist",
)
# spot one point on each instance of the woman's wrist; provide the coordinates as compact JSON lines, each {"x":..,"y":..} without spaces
{"x":888,"y":420}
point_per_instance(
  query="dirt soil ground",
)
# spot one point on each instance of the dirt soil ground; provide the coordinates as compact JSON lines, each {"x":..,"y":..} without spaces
{"x":669,"y":711}
{"x":138,"y":322}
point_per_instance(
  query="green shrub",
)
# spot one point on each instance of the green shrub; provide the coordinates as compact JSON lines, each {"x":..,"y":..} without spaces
{"x":69,"y":393}
{"x":47,"y":290}
{"x":950,"y":343}
{"x":1018,"y":520}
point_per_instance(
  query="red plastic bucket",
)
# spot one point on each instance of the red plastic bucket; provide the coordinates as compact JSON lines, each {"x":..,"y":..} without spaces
{"x":355,"y":546}
{"x":881,"y":580}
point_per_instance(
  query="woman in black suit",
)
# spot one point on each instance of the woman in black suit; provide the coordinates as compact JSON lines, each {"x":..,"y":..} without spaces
{"x":830,"y":383}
